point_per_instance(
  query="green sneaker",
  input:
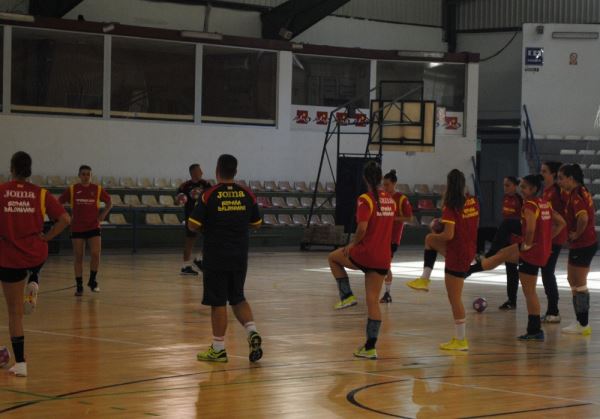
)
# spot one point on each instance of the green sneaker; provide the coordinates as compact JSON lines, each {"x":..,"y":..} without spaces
{"x":348,"y":302}
{"x":212,"y":356}
{"x":255,"y":342}
{"x":366,"y":353}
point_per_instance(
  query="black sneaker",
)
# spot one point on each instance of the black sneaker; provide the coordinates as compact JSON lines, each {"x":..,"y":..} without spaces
{"x":255,"y":342}
{"x":188,"y":270}
{"x":198,"y":263}
{"x":79,"y":290}
{"x":507,"y":306}
{"x":94,"y":286}
{"x":387,"y":298}
{"x":536,"y":337}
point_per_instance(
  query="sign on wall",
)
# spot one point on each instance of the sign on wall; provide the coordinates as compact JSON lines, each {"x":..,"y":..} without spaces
{"x":534,"y":56}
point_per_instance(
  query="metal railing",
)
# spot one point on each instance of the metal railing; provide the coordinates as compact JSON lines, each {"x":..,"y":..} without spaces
{"x":530,"y":146}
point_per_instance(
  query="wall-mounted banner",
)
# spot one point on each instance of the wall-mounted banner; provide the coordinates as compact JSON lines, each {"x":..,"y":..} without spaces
{"x":534,"y":56}
{"x":448,"y":122}
{"x":573,"y":58}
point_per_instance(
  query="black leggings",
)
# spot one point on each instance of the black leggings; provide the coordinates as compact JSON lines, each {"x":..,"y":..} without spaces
{"x":549,"y":280}
{"x":502,"y":238}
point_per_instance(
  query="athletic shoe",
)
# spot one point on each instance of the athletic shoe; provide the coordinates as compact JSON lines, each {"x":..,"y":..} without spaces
{"x":362,"y":352}
{"x":345,"y":303}
{"x":536,"y":337}
{"x":79,"y":291}
{"x":19,"y":369}
{"x":577,"y":329}
{"x":212,"y":356}
{"x":387,"y":298}
{"x":94,"y":286}
{"x":551,"y":318}
{"x":419,"y":284}
{"x":198,"y":264}
{"x":507,"y":306}
{"x":188,"y":270}
{"x":255,"y":342}
{"x":31,"y":293}
{"x":455,"y":345}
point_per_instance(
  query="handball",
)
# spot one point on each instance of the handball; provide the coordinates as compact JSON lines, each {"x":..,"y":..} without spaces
{"x":181,"y":199}
{"x":480,"y":304}
{"x":4,"y":356}
{"x":436,"y":226}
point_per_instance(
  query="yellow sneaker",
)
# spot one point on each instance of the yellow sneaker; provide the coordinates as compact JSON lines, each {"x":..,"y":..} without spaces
{"x":455,"y":345}
{"x":348,"y":302}
{"x":212,"y":356}
{"x":366,"y":353}
{"x":419,"y":284}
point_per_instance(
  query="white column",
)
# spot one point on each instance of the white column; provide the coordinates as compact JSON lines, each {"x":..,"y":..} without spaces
{"x":106,"y":87}
{"x":471,"y":101}
{"x":198,"y":84}
{"x":373,"y":82}
{"x":6,"y":70}
{"x":284,"y":90}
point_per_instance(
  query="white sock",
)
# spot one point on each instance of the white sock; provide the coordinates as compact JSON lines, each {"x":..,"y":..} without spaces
{"x":186,"y":263}
{"x":250,"y":327}
{"x":388,"y":287}
{"x":218,"y":343}
{"x":460,"y":328}
{"x":426,"y":273}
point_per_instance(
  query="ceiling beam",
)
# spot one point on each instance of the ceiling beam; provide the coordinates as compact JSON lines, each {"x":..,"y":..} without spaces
{"x":52,"y":8}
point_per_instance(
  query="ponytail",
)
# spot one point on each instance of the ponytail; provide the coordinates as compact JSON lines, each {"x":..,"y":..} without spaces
{"x":454,"y":197}
{"x":574,"y":171}
{"x":372,"y":174}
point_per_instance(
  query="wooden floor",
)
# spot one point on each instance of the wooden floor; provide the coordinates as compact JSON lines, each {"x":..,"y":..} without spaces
{"x":131,"y":350}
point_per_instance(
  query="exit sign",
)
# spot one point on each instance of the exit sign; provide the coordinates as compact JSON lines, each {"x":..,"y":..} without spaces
{"x":534,"y":56}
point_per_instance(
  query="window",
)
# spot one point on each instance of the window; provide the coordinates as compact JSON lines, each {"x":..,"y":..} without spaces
{"x":152,"y":79}
{"x":57,"y":72}
{"x":444,"y":83}
{"x":239,"y":86}
{"x":331,"y":82}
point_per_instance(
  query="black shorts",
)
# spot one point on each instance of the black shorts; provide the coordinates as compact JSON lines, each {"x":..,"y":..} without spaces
{"x":527,"y":268}
{"x":367,"y":270}
{"x":189,"y":233}
{"x":12,"y":275}
{"x":221,"y":287}
{"x":583,"y":256}
{"x":86,"y":234}
{"x":394,"y":248}
{"x":457,"y":274}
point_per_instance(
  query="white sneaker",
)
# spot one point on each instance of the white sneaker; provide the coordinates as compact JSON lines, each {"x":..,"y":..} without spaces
{"x":577,"y":329}
{"x":31,"y":293}
{"x":19,"y":369}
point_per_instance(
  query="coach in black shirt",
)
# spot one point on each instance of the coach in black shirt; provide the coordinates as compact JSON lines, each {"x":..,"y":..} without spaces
{"x":224,"y":215}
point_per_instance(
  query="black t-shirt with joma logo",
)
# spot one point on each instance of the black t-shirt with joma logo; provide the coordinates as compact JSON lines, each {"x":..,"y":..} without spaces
{"x":225,"y":213}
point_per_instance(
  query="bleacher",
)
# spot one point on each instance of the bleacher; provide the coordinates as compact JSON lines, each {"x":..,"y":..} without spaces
{"x":584,"y":151}
{"x":141,"y":204}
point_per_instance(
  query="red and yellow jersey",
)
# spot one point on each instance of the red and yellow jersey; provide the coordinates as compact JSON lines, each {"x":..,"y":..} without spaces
{"x":511,"y":206}
{"x":85,"y":203}
{"x":374,"y":249}
{"x":403,"y":209}
{"x":542,"y":240}
{"x":461,"y":250}
{"x":580,"y":201}
{"x":555,"y":197}
{"x":23,"y":207}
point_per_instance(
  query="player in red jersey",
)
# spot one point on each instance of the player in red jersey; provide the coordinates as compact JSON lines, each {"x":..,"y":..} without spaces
{"x":555,"y":196}
{"x":511,"y":225}
{"x":369,"y":252}
{"x":404,"y":213}
{"x":540,"y":224}
{"x":84,"y":199}
{"x":583,"y":243}
{"x":188,"y":194}
{"x":23,"y":244}
{"x":458,"y":244}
